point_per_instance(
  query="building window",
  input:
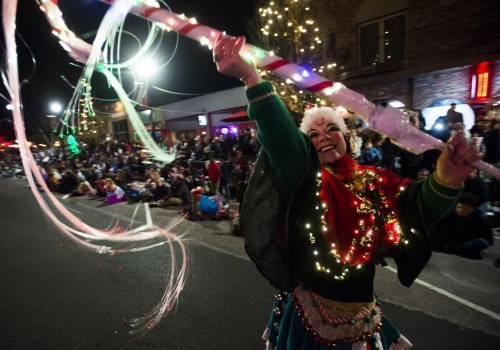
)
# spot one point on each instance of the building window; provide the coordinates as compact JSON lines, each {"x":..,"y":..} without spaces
{"x":120,"y":130}
{"x":382,"y":40}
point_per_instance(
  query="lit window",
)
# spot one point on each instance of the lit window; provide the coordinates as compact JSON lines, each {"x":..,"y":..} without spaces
{"x":382,"y":40}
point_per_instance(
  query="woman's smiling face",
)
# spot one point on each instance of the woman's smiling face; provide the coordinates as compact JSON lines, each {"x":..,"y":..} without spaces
{"x":328,"y":141}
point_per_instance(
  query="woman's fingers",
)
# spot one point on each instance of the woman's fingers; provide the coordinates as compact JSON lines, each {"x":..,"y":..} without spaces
{"x":238,"y":44}
{"x":456,"y":138}
{"x":461,"y":151}
{"x":220,"y":47}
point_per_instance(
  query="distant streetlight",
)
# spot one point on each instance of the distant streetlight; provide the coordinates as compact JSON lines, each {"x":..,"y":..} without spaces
{"x":146,"y":67}
{"x":55,"y":107}
{"x":9,"y":107}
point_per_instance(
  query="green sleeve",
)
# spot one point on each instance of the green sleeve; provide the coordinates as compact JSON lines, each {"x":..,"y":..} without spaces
{"x":420,"y":206}
{"x":437,"y":200}
{"x":285,"y":144}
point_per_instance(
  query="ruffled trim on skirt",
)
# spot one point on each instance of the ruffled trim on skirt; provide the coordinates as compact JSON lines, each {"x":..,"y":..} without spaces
{"x":288,"y":329}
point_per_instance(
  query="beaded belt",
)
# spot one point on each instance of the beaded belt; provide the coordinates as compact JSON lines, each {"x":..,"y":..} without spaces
{"x":333,"y":322}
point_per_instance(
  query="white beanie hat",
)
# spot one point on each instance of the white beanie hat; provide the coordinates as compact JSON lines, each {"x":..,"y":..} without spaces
{"x":327,"y":113}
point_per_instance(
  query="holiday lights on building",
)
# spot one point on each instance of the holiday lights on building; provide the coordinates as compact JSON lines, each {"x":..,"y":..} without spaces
{"x":287,"y":27}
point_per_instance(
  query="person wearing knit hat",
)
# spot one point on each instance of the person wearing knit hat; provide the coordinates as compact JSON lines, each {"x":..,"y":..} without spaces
{"x":325,"y":113}
{"x":328,"y":133}
{"x":316,"y":222}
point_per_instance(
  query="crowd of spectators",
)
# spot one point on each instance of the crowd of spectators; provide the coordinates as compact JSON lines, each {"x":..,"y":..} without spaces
{"x":121,"y":171}
{"x":221,"y":165}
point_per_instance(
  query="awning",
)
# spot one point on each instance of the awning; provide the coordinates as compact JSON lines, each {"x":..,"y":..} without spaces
{"x":240,"y":116}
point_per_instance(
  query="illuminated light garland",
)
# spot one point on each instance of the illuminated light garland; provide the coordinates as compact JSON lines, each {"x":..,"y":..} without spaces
{"x":366,"y":230}
{"x":100,"y":241}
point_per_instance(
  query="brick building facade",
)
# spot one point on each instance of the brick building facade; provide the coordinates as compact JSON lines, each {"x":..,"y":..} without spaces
{"x":415,"y":51}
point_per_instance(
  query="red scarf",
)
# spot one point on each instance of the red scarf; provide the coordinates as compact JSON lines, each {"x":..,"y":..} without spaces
{"x":342,"y":217}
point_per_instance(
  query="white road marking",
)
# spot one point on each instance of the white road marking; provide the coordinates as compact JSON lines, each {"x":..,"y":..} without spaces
{"x":473,"y":306}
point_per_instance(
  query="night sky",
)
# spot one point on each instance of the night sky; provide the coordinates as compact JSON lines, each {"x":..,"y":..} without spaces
{"x":191,"y":71}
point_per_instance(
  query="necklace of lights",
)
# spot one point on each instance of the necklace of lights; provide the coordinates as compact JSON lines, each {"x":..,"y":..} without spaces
{"x":362,"y":181}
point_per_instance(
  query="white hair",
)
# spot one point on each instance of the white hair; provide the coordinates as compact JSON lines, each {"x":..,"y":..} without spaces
{"x":327,"y":113}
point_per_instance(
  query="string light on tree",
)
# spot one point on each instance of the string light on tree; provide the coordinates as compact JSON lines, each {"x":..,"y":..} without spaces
{"x":288,"y":28}
{"x":73,"y":146}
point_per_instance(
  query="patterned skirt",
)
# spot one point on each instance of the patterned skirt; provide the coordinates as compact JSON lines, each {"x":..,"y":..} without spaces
{"x":303,"y":320}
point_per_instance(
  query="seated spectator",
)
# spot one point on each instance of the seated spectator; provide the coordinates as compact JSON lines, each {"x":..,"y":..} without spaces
{"x":358,"y":144}
{"x":180,"y":195}
{"x":147,"y":193}
{"x":52,"y":180}
{"x":100,"y":185}
{"x":161,"y":191}
{"x":240,"y":166}
{"x":176,"y":170}
{"x":370,"y":155}
{"x":465,"y":232}
{"x":195,"y":171}
{"x":68,"y":183}
{"x":44,"y":174}
{"x":133,"y":194}
{"x":188,"y":179}
{"x":114,"y":193}
{"x":121,"y":178}
{"x":84,"y":189}
{"x":151,"y":176}
{"x":80,"y":175}
{"x":475,"y":184}
{"x":56,"y":174}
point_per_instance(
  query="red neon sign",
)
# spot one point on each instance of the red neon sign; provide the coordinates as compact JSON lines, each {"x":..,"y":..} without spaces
{"x":480,"y":81}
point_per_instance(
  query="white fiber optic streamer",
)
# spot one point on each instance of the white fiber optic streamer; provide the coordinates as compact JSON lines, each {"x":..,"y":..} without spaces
{"x":110,"y":241}
{"x":100,"y":54}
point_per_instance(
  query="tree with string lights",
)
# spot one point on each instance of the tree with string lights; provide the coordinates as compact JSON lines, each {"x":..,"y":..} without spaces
{"x":287,"y":28}
{"x":92,"y":126}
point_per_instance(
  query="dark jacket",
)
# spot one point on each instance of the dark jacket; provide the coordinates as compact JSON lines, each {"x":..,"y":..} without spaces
{"x":458,"y":229}
{"x":280,"y":252}
{"x":181,"y":190}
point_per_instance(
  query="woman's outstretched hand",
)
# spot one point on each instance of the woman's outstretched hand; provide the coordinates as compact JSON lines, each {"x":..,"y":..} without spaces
{"x":227,"y":57}
{"x":453,"y":165}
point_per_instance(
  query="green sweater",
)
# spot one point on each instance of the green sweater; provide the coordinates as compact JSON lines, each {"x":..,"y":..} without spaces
{"x":289,"y":153}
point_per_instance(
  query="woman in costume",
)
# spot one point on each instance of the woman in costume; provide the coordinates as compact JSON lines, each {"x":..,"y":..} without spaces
{"x":316,"y":223}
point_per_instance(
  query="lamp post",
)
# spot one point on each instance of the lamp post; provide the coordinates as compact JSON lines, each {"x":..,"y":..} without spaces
{"x":145,"y":70}
{"x":55,"y":108}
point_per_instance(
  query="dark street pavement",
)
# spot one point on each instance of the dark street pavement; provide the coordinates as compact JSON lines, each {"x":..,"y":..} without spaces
{"x":56,"y":295}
